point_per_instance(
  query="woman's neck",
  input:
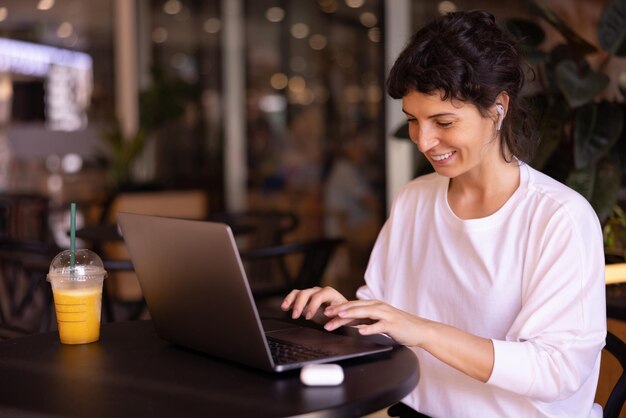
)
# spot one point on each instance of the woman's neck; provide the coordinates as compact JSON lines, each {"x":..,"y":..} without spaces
{"x":485,"y":190}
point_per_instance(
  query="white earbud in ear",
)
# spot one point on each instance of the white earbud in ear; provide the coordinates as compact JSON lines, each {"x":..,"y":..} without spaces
{"x":500,"y":110}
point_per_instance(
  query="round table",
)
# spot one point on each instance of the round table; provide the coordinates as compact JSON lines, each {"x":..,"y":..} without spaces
{"x":131,"y":372}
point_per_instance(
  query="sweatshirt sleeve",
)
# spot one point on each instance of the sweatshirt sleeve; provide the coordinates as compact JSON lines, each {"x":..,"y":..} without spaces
{"x":554,"y":344}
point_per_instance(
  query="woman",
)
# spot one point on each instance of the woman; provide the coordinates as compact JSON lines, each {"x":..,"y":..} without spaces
{"x":489,"y":270}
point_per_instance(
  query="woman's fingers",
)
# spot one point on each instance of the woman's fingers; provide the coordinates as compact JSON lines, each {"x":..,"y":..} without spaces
{"x":365,"y":313}
{"x":335,"y":323}
{"x":308,"y":301}
{"x":357,"y":309}
{"x":325,"y":295}
{"x":289,"y":299}
{"x":301,"y":300}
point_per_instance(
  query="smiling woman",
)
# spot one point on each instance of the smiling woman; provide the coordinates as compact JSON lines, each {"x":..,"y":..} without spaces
{"x":490,"y":270}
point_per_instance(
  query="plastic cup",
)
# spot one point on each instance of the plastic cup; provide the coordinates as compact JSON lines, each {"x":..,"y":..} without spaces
{"x":77,"y":292}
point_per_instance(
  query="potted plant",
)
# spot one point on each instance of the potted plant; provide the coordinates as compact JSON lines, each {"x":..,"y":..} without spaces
{"x":583,"y":140}
{"x":163,"y":102}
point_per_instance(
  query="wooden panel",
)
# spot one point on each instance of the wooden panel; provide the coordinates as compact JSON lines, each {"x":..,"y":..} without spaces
{"x":615,"y":273}
{"x":610,"y":369}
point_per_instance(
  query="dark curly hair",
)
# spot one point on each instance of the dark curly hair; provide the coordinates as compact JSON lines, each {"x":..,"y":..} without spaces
{"x":466,"y":56}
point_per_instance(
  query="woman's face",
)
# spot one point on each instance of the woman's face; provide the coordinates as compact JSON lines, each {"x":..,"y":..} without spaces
{"x":452,"y":134}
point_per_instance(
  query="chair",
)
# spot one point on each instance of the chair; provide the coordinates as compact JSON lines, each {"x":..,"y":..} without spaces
{"x":261,"y":228}
{"x":24,"y":216}
{"x":9,"y":331}
{"x":26,"y":249}
{"x":289,"y":266}
{"x":617,"y":397}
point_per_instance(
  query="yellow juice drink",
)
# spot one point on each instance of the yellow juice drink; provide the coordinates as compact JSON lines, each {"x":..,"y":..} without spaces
{"x":76,"y":279}
{"x":78,"y":314}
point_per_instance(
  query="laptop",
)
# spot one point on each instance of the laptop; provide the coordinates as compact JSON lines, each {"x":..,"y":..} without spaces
{"x":198,"y":296}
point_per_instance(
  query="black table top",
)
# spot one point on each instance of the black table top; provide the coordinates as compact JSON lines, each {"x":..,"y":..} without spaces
{"x":131,"y":372}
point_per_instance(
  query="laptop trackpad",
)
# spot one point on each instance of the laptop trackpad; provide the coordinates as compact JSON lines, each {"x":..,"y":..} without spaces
{"x":271,"y":325}
{"x":338,"y":344}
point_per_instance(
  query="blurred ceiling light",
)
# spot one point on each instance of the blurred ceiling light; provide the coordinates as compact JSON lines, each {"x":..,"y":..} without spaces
{"x":172,"y":7}
{"x":318,"y":42}
{"x":212,"y":25}
{"x":279,"y":81}
{"x":65,"y":30}
{"x":374,"y":34}
{"x":272,"y":103}
{"x":55,"y":183}
{"x":159,"y":35}
{"x":297,"y":84}
{"x":4,"y":12}
{"x":355,"y":4}
{"x":275,"y":14}
{"x":306,"y":97}
{"x":368,"y":19}
{"x":72,"y":163}
{"x":300,"y":30}
{"x":446,"y":7}
{"x":45,"y":4}
{"x":328,"y":6}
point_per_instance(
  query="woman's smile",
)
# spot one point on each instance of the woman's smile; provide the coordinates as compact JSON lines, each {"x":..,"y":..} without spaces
{"x":443,"y":158}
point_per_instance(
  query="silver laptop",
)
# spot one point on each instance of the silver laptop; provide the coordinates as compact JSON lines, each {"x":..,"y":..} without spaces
{"x":198,"y":296}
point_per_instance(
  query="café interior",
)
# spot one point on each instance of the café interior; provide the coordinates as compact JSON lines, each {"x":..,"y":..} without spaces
{"x":237,"y":111}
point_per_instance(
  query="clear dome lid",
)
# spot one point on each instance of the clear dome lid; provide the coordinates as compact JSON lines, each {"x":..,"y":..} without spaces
{"x":87,"y":265}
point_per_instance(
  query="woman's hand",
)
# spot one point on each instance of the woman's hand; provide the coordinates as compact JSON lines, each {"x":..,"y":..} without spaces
{"x":378,"y":317}
{"x":468,"y":353}
{"x":307,"y":302}
{"x":371,"y":316}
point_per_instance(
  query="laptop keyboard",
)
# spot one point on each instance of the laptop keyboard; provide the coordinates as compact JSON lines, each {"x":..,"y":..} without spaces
{"x":286,"y":353}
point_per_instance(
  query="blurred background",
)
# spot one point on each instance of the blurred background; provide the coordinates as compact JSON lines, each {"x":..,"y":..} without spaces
{"x":271,"y":105}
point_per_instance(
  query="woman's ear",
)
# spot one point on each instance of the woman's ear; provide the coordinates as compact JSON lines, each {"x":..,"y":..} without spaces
{"x":502,"y":105}
{"x":500,"y":110}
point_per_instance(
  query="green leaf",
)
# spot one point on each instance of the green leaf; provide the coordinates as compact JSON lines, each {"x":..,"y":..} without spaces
{"x":612,"y":28}
{"x":597,"y":127}
{"x":578,"y":44}
{"x":552,"y":116}
{"x":606,"y":189}
{"x":536,"y":56}
{"x":579,"y":87}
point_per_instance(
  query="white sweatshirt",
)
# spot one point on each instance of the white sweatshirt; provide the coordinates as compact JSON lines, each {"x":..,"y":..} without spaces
{"x":530,"y":277}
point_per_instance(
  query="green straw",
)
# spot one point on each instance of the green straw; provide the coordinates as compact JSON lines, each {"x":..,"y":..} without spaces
{"x":72,"y":235}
